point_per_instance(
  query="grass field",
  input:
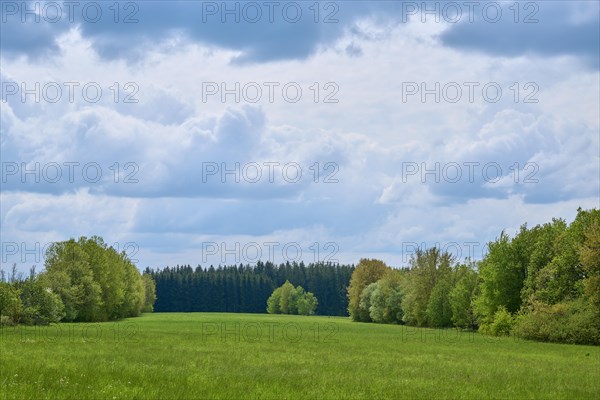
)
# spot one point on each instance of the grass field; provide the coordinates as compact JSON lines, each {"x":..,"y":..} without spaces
{"x":209,"y":355}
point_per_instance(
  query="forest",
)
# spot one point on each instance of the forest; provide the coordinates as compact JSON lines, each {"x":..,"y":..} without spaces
{"x":246,"y":288}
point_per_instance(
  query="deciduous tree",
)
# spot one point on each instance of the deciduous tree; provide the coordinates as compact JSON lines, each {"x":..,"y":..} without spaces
{"x":367,"y":271}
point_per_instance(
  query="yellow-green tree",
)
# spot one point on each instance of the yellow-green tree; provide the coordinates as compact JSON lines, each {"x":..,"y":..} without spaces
{"x":367,"y":271}
{"x":427,"y":267}
{"x":95,"y":282}
{"x":288,"y":299}
{"x":150,"y":293}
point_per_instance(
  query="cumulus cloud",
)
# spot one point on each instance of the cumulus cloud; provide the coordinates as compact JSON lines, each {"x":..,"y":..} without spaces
{"x":177,"y":167}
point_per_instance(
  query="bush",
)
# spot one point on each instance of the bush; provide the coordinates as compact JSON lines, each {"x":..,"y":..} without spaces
{"x":5,"y":320}
{"x":11,"y":306}
{"x":41,"y":306}
{"x":501,"y":325}
{"x":570,"y":322}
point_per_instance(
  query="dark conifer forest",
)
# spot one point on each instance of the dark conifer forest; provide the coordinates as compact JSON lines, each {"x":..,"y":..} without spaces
{"x":245,"y":288}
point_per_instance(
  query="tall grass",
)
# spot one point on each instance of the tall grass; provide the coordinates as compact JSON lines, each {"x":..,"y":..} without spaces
{"x":230,"y":356}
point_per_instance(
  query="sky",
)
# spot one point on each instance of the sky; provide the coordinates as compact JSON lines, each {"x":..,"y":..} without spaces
{"x":189,"y":132}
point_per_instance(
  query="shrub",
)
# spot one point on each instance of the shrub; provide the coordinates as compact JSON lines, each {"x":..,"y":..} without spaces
{"x":5,"y":320}
{"x":501,"y":325}
{"x":41,"y":306}
{"x":570,"y":322}
{"x":11,"y":306}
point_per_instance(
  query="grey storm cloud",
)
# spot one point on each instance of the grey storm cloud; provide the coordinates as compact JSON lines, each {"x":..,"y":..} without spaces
{"x":291,"y":30}
{"x":262,"y":31}
{"x":547,"y":28}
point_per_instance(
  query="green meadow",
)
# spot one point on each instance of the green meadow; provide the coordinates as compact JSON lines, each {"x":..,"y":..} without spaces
{"x":230,"y":356}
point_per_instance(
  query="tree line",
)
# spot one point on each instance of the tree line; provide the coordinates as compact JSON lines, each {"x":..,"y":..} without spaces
{"x":541,"y":284}
{"x":83,"y":280}
{"x":246,"y":288}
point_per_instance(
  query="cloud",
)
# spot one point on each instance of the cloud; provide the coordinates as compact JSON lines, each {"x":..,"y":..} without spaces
{"x":261,"y":31}
{"x":265,"y":32}
{"x":546,"y":28}
{"x":178,"y":169}
{"x":233,"y":155}
{"x":516,"y":153}
{"x":28,"y":39}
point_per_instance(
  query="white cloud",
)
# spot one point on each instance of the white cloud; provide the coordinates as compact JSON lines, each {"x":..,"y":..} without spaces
{"x":369,"y":134}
